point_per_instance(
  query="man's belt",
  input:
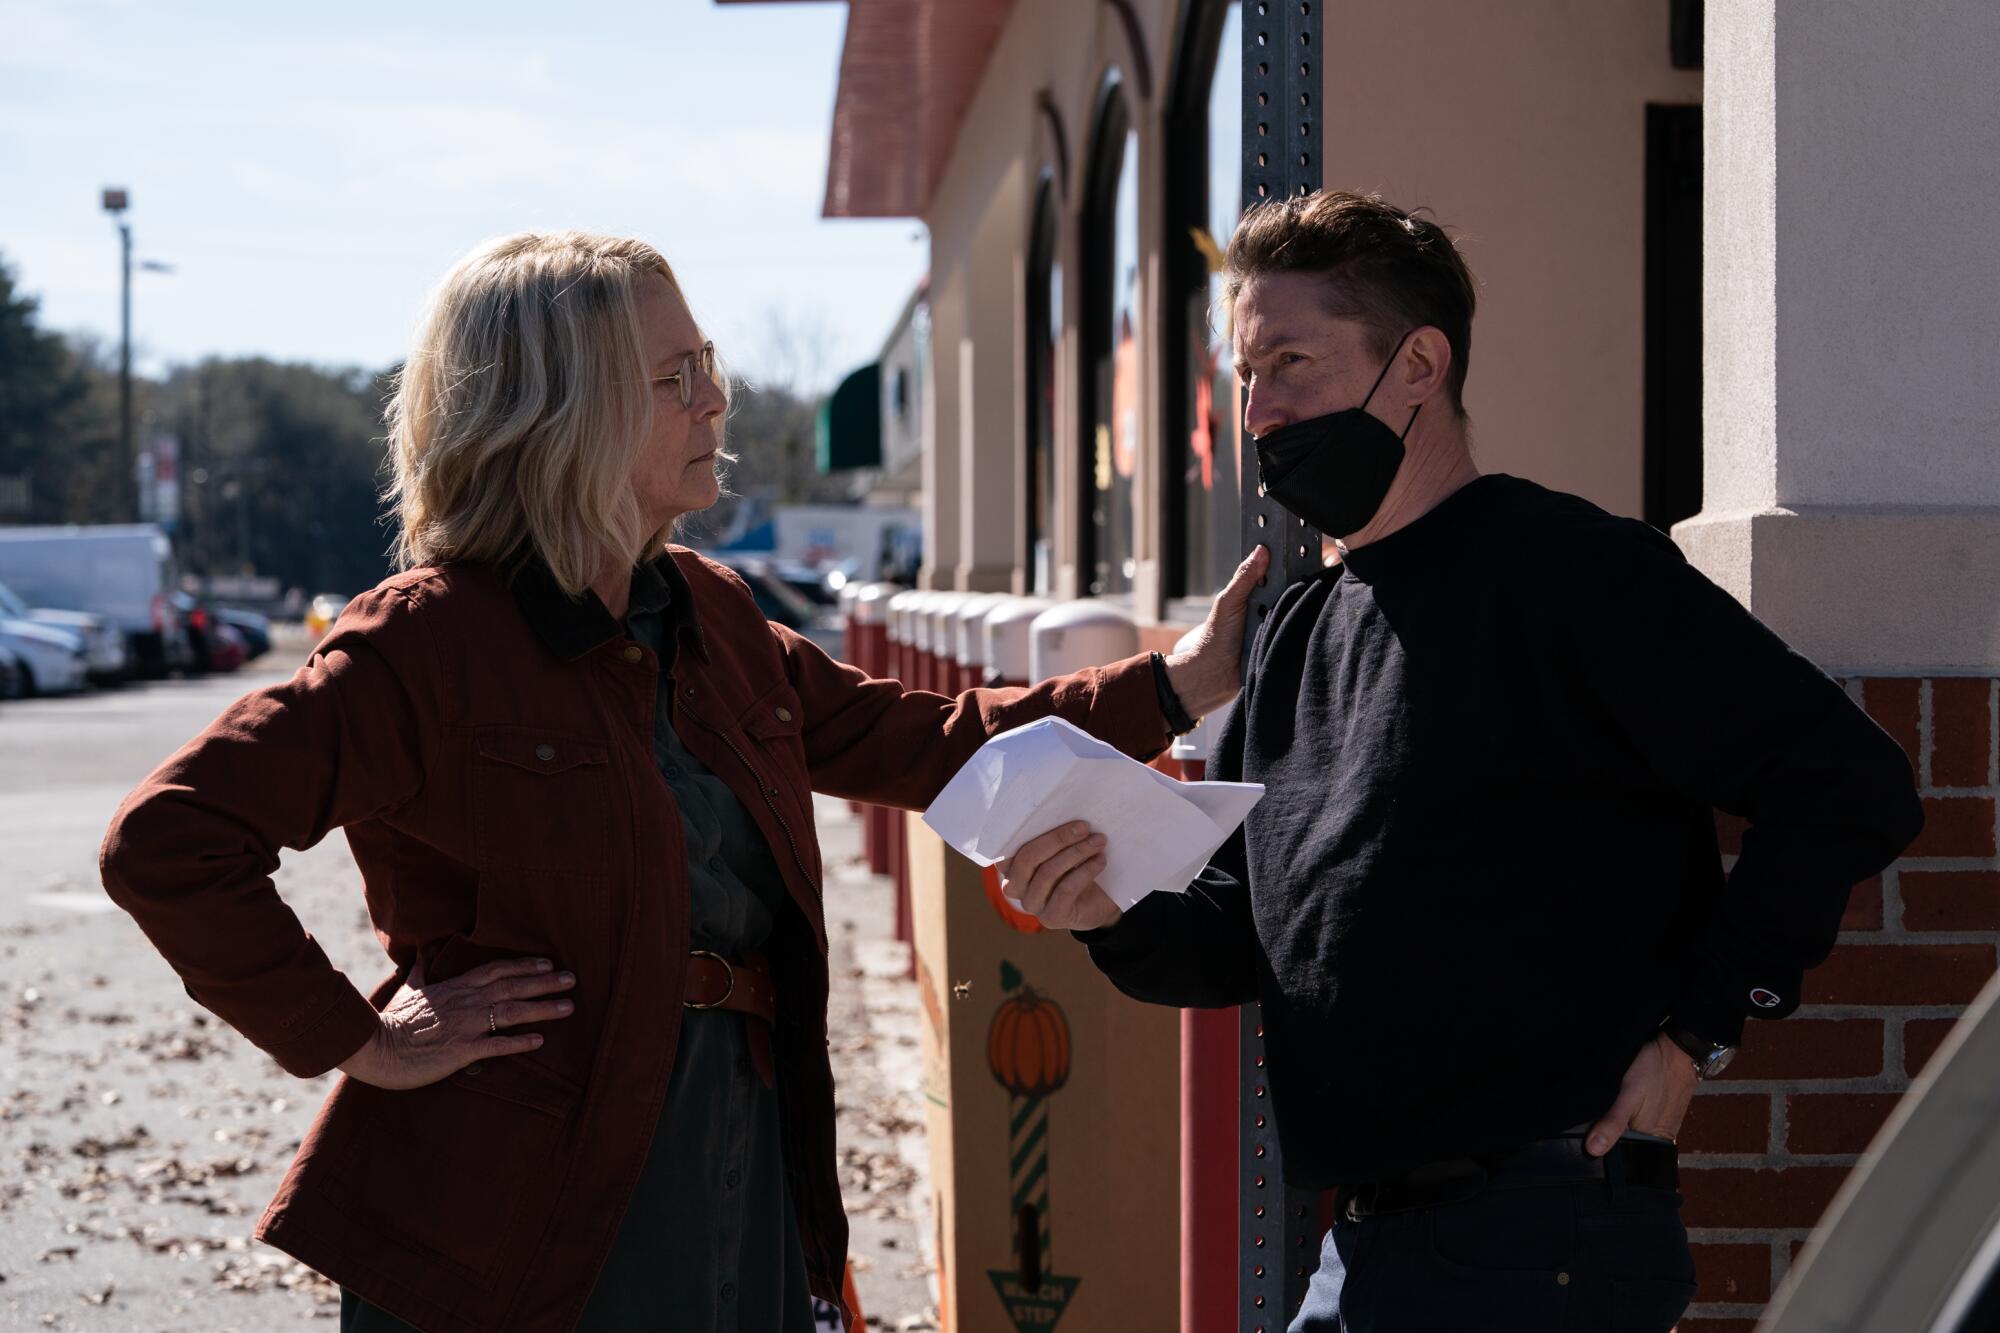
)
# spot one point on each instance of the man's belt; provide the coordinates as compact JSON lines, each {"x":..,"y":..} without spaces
{"x":744,"y":985}
{"x":1544,"y":1162}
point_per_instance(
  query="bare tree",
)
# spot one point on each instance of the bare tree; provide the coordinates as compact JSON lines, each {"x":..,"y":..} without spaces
{"x":795,"y":352}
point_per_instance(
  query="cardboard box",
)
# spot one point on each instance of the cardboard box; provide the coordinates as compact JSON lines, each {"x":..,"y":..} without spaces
{"x":1054,"y":1119}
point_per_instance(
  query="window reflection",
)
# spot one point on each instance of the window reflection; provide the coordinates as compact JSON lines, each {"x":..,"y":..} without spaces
{"x":1109,"y":403}
{"x":1117,"y":434}
{"x":1208,"y":509}
{"x":1045,"y":314}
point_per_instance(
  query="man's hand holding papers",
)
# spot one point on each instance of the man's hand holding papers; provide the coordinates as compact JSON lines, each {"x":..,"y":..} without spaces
{"x":1156,"y":833}
{"x":1054,"y":878}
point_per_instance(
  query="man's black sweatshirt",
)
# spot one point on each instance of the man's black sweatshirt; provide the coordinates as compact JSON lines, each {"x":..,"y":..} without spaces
{"x":1485,"y":867}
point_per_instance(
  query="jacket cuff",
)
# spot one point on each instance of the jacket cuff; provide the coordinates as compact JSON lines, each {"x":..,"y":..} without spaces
{"x":321,"y":1040}
{"x":1132,"y":934}
{"x":1716,"y":998}
{"x":1125,"y":709}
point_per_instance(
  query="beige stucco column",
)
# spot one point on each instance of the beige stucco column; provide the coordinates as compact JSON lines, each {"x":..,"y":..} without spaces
{"x":990,"y":349}
{"x":1851,"y":413}
{"x":942,"y":459}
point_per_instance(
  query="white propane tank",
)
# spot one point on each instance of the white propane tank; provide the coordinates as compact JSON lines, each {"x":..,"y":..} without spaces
{"x":900,"y":605}
{"x":1009,"y":635}
{"x":970,"y":638}
{"x":942,"y":612}
{"x":920,"y":621}
{"x":871,"y":602}
{"x":1073,"y":635}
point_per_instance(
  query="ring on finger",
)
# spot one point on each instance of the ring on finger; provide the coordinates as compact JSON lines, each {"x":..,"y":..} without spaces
{"x":492,"y":1023}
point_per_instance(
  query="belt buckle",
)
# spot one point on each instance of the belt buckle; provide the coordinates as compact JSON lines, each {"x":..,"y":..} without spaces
{"x":716,"y":1004}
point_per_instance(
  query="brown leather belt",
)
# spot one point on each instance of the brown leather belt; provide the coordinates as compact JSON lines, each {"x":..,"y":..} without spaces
{"x":744,"y":985}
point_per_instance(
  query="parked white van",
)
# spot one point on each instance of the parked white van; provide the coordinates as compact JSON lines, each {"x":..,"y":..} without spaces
{"x":122,"y":572}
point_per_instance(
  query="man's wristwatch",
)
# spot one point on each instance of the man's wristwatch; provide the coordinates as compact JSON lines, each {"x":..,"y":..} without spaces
{"x":1710,"y":1059}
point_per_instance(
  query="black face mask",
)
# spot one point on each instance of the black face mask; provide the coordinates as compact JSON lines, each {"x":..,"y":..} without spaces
{"x":1334,"y":471}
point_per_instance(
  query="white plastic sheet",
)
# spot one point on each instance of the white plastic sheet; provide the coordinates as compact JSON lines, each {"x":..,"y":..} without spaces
{"x":1159,"y":833}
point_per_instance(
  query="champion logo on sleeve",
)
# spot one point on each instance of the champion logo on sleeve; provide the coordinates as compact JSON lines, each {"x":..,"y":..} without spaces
{"x":1765,"y":999}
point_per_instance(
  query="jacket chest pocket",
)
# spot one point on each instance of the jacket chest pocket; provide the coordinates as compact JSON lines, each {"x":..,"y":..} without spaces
{"x":775,"y":725}
{"x":774,"y":728}
{"x":541,"y":801}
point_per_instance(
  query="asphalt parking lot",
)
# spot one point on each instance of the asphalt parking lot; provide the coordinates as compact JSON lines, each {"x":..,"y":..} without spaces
{"x":140,"y":1138}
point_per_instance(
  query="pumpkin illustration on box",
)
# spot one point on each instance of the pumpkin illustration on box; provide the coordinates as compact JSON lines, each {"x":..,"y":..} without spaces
{"x":1028,"y":1052}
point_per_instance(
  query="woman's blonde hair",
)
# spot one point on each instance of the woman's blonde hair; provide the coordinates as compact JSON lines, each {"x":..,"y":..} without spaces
{"x":521,"y":409}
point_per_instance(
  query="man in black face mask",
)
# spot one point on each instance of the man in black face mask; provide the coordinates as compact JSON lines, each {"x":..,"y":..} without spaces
{"x":1482,"y":902}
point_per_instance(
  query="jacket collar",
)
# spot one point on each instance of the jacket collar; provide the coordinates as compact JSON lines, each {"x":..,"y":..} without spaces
{"x":571,"y":627}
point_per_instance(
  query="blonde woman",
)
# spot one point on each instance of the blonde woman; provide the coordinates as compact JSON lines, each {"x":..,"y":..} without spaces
{"x":576,"y":769}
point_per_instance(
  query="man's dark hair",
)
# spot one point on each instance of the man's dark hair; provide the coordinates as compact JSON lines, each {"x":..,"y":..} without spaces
{"x":1388,"y":270}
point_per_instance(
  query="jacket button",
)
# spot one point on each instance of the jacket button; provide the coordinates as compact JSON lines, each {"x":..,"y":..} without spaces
{"x":472,"y":1070}
{"x":633,"y":653}
{"x":545,"y":752}
{"x":784,"y":715}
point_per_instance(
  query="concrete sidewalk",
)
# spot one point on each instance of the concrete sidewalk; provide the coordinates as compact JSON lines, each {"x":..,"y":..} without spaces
{"x":872,"y":1024}
{"x":140,"y":1138}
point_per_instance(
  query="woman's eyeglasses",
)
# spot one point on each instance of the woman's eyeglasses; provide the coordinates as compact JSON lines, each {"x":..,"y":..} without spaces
{"x":684,"y":377}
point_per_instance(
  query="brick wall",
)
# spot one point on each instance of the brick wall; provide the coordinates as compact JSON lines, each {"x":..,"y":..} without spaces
{"x":1765,"y":1147}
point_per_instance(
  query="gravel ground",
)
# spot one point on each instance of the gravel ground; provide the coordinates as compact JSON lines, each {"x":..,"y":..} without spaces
{"x":140,"y":1138}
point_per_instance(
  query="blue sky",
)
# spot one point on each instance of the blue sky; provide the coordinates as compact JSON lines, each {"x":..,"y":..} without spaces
{"x":311,"y":170}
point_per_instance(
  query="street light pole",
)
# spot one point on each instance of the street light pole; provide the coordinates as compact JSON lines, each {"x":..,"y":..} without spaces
{"x":115,"y":203}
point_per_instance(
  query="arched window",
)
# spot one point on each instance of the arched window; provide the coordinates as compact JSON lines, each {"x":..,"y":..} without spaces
{"x":1202,"y":418}
{"x":1109,"y":400}
{"x":1045,"y":317}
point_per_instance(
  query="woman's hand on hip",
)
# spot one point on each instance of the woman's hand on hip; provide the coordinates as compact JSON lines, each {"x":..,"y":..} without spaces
{"x":431,"y":1030}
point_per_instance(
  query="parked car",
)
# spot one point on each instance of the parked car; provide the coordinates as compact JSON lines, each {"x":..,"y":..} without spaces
{"x":122,"y":572}
{"x":104,"y":646}
{"x":53,"y":661}
{"x":808,"y":581}
{"x":193,"y":614}
{"x":226,"y":648}
{"x":323,"y":611}
{"x":255,"y":629}
{"x":780,"y":602}
{"x":11,"y":684}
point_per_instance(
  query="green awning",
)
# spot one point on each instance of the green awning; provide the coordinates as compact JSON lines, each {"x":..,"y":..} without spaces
{"x":850,"y":422}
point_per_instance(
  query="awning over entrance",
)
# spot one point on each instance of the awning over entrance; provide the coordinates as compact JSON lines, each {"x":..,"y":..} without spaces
{"x":849,"y":428}
{"x":908,"y":72}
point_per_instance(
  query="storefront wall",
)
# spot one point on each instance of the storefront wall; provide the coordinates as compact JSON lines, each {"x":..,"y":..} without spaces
{"x":1522,"y":127}
{"x":1523,"y":130}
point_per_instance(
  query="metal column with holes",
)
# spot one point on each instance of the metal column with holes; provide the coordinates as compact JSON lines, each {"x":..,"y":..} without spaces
{"x":1279,"y":1227}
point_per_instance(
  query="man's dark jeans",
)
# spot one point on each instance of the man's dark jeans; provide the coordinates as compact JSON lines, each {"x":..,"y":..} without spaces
{"x":1536,"y":1258}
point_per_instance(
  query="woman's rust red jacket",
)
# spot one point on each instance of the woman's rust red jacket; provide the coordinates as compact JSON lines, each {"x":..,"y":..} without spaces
{"x":487,"y":746}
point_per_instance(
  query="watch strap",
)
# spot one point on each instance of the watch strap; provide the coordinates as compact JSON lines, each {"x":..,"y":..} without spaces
{"x":1698,"y":1049}
{"x":1176,"y":713}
